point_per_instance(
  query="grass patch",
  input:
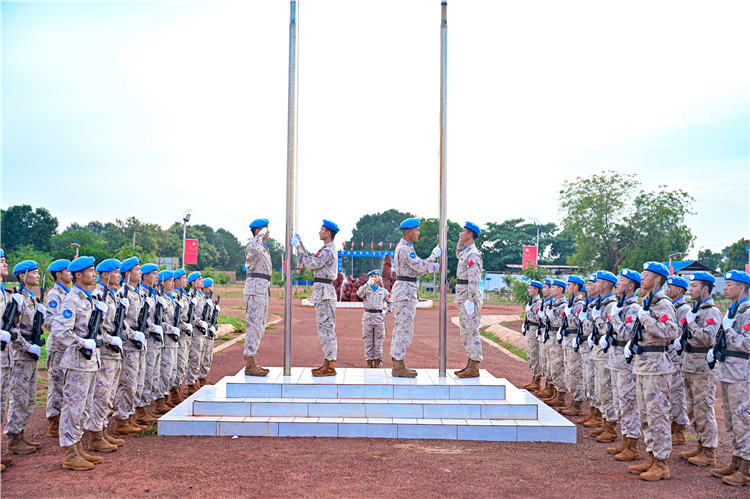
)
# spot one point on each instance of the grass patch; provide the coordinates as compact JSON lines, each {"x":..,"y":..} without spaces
{"x":152,"y":430}
{"x":270,"y":327}
{"x":241,"y":340}
{"x":513,"y":349}
{"x":226,"y":337}
{"x":236,"y":322}
{"x":692,"y":438}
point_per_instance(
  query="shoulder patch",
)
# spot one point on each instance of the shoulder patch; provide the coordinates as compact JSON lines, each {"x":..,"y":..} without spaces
{"x":746,"y":327}
{"x":412,"y":255}
{"x":628,"y":320}
{"x":52,"y":304}
{"x":471,"y":262}
{"x":710,"y":321}
{"x":68,"y":313}
{"x":664,"y":318}
{"x":683,"y":321}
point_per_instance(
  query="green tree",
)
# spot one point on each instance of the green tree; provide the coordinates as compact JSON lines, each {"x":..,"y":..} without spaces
{"x":735,"y":256}
{"x":376,"y":227}
{"x":22,"y":225}
{"x":428,"y":239}
{"x":28,"y":252}
{"x":60,"y":243}
{"x":710,"y":258}
{"x":503,"y":243}
{"x":614,"y":223}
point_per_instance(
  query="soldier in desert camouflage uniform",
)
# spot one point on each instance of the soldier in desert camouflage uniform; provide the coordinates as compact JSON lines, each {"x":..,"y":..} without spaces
{"x":256,"y":293}
{"x":53,"y":300}
{"x":531,"y":325}
{"x":469,"y":298}
{"x":377,"y":303}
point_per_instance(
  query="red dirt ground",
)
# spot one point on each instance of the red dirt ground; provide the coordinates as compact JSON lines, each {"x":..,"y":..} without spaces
{"x":154,"y":466}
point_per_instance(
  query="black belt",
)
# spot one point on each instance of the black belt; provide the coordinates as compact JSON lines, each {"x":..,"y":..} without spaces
{"x":407,"y":279}
{"x":738,"y":355}
{"x":259,"y":276}
{"x":570,"y":331}
{"x":462,"y":281}
{"x":654,"y":349}
{"x":532,"y":323}
{"x":618,"y":343}
{"x":322,"y":280}
{"x":691,"y":349}
{"x":373,"y":310}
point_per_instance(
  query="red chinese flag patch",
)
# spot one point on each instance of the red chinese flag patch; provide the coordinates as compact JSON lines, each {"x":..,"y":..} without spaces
{"x":537,"y":311}
{"x":628,"y":320}
{"x":683,"y":321}
{"x":710,"y":321}
{"x":746,"y":327}
{"x":664,"y":318}
{"x":471,"y":262}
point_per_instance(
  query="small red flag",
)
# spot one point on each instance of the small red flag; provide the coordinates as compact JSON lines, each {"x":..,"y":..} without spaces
{"x":628,"y":320}
{"x":390,"y":245}
{"x":380,"y":244}
{"x":191,"y":251}
{"x":710,"y":321}
{"x":664,"y":318}
{"x":362,"y":243}
{"x":746,"y":327}
{"x":528,"y":256}
{"x":683,"y":321}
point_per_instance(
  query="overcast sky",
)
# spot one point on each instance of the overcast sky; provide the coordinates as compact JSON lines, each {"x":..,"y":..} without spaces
{"x":144,"y":109}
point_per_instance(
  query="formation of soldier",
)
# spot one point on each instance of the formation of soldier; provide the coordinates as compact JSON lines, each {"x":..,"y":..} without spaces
{"x":123,"y":339}
{"x":647,"y":366}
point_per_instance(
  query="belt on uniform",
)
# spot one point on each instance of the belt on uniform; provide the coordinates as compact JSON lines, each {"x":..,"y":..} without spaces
{"x":618,"y":343}
{"x":654,"y":349}
{"x":407,"y":279}
{"x":532,"y":323}
{"x":738,"y":355}
{"x":259,"y":276}
{"x":373,"y":310}
{"x":691,"y":349}
{"x":570,"y":331}
{"x":322,"y":280}
{"x":462,"y":281}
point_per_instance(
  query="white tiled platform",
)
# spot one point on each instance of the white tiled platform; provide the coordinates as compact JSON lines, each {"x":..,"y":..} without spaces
{"x":367,"y":403}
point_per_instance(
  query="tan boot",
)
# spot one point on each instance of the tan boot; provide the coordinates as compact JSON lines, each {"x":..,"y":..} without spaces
{"x":119,"y":442}
{"x":132,"y":421}
{"x":598,"y":431}
{"x":705,"y":458}
{"x":574,"y":409}
{"x":547,"y":391}
{"x":740,"y":477}
{"x":53,"y":426}
{"x":399,"y":370}
{"x":253,"y":369}
{"x":181,"y":396}
{"x":678,"y":434}
{"x":464,"y":368}
{"x":174,"y":398}
{"x":637,"y":469}
{"x":160,"y":408}
{"x":191,"y":389}
{"x":142,"y":417}
{"x":630,"y":452}
{"x":329,"y":369}
{"x":609,"y":434}
{"x":728,"y":469}
{"x":618,"y":449}
{"x":547,"y":398}
{"x":596,"y":421}
{"x":98,"y":444}
{"x":150,"y":413}
{"x":7,"y":461}
{"x":16,"y":445}
{"x":559,"y":400}
{"x":470,"y":372}
{"x":318,"y":370}
{"x":32,"y":443}
{"x":73,"y":461}
{"x":687,"y":454}
{"x":588,"y":417}
{"x":377,"y":363}
{"x":168,"y":401}
{"x":535,"y":383}
{"x":658,"y":471}
{"x":86,"y":456}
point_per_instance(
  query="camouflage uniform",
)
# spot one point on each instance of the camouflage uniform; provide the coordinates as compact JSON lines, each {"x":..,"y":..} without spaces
{"x":111,"y":362}
{"x":469,"y":270}
{"x":4,"y":362}
{"x":678,"y":400}
{"x":543,"y":357}
{"x":133,"y":358}
{"x":554,"y":349}
{"x":324,"y":263}
{"x":69,"y":328}
{"x":183,"y":346}
{"x":571,"y":358}
{"x":207,"y":352}
{"x":147,"y":390}
{"x":257,"y":290}
{"x":23,"y":369}
{"x":169,"y":352}
{"x":700,"y":381}
{"x":53,"y":302}
{"x":587,"y":361}
{"x":532,"y":345}
{"x":196,"y":340}
{"x":623,"y":379}
{"x":734,"y":374}
{"x":653,"y":372}
{"x":377,"y":303}
{"x":603,"y":383}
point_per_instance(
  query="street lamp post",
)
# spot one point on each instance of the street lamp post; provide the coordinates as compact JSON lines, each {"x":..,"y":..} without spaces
{"x":185,"y":220}
{"x":536,"y":224}
{"x":670,"y":259}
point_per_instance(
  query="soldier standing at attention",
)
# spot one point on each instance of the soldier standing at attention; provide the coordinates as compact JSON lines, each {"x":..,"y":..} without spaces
{"x":199,"y":332}
{"x":377,"y":303}
{"x":676,"y":287}
{"x":256,"y":293}
{"x":207,"y":353}
{"x":4,"y":353}
{"x":186,"y":331}
{"x":601,"y":314}
{"x":146,"y":391}
{"x":556,"y":362}
{"x":171,"y":342}
{"x":576,"y":287}
{"x":469,"y":298}
{"x":408,"y":267}
{"x":593,"y":418}
{"x":324,"y":264}
{"x":547,"y":301}
{"x":531,"y":324}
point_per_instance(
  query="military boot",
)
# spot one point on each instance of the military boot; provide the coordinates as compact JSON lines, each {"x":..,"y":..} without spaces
{"x":596,"y":421}
{"x":588,"y":417}
{"x":16,"y":445}
{"x":609,"y":434}
{"x":472,"y":371}
{"x":630,"y":452}
{"x":97,"y":443}
{"x":705,"y":458}
{"x":687,"y":454}
{"x":53,"y":426}
{"x":191,"y":389}
{"x":464,"y":368}
{"x":132,"y":422}
{"x":253,"y":369}
{"x":318,"y":370}
{"x":160,"y":407}
{"x":559,"y":400}
{"x":618,"y":449}
{"x":73,"y":461}
{"x":741,"y":476}
{"x":728,"y":469}
{"x":7,"y":461}
{"x":546,"y":398}
{"x":678,"y":434}
{"x":658,"y":471}
{"x":113,"y":440}
{"x":400,"y":370}
{"x":87,"y":457}
{"x":377,"y":363}
{"x":547,"y":391}
{"x":143,"y":418}
{"x":637,"y":469}
{"x":574,"y":409}
{"x":528,"y":385}
{"x":32,"y":443}
{"x":329,"y":369}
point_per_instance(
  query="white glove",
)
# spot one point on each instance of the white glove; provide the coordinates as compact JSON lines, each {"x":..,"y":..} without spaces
{"x":35,"y":350}
{"x":159,"y":330}
{"x":189,"y":328}
{"x":677,"y":345}
{"x":559,"y":334}
{"x":615,"y":310}
{"x":371,"y":281}
{"x":528,"y":308}
{"x":383,"y":313}
{"x":203,"y":325}
{"x":4,"y":336}
{"x":727,"y":323}
{"x":212,"y":329}
{"x":567,"y":310}
{"x":603,"y":343}
{"x":596,"y":313}
{"x":296,"y":241}
{"x":89,"y":344}
{"x":102,"y":306}
{"x":262,"y":232}
{"x":150,"y":301}
{"x":41,"y":309}
{"x":710,"y":355}
{"x":433,"y":267}
{"x":162,"y":301}
{"x":576,"y":342}
{"x":469,"y":306}
{"x":218,"y":309}
{"x":548,"y":312}
{"x":125,"y":303}
{"x":628,"y":352}
{"x":140,"y":337}
{"x":691,"y":316}
{"x":18,"y":299}
{"x":194,"y":300}
{"x":643,"y":313}
{"x":116,"y":341}
{"x":582,"y":315}
{"x":591,"y":340}
{"x":437,"y":251}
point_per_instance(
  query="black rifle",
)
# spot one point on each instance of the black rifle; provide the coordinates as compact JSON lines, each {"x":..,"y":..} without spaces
{"x":579,"y":334}
{"x":564,"y":325}
{"x":610,"y":335}
{"x":158,"y":313}
{"x":547,"y":325}
{"x":119,"y":321}
{"x":95,"y":324}
{"x":191,"y":312}
{"x":204,"y":314}
{"x":540,"y":327}
{"x":177,"y":313}
{"x":36,"y":328}
{"x":143,"y":318}
{"x":686,"y":334}
{"x":721,"y":340}
{"x":525,"y":326}
{"x":635,"y":347}
{"x":595,"y":331}
{"x":214,"y":316}
{"x":9,"y":319}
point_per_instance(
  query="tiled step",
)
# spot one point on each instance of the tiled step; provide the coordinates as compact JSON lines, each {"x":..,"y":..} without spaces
{"x":365,"y":408}
{"x":353,"y":383}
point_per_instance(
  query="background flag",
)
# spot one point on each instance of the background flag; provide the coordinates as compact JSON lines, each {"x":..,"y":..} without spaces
{"x":191,"y":251}
{"x":529,"y":256}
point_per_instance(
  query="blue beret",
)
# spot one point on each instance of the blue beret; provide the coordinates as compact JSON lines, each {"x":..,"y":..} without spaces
{"x":576,"y":279}
{"x":473,"y":227}
{"x":592,"y":277}
{"x":208,"y":282}
{"x":193,"y":276}
{"x":547,"y":281}
{"x":129,"y":263}
{"x":632,"y":275}
{"x":147,"y":268}
{"x":259,"y":222}
{"x":330,"y":225}
{"x":165,"y":274}
{"x":374,"y":272}
{"x":179,"y":273}
{"x":656,"y":267}
{"x":2,"y":253}
{"x":676,"y":280}
{"x":703,"y":276}
{"x":410,"y":223}
{"x":732,"y":275}
{"x":58,"y":265}
{"x":606,"y":275}
{"x":535,"y":284}
{"x":108,"y":265}
{"x":584,"y":289}
{"x":24,"y":266}
{"x":81,"y":263}
{"x":559,"y":282}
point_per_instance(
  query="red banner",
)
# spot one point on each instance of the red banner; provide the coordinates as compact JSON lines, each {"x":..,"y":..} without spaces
{"x":529,"y":256}
{"x":191,"y":252}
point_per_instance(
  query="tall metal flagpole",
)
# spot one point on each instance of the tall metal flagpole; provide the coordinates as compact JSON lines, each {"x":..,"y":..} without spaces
{"x":443,"y":184}
{"x":291,"y":191}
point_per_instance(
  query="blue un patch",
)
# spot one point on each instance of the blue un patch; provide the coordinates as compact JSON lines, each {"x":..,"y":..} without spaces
{"x":67,"y":314}
{"x":52,"y":304}
{"x":412,"y":255}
